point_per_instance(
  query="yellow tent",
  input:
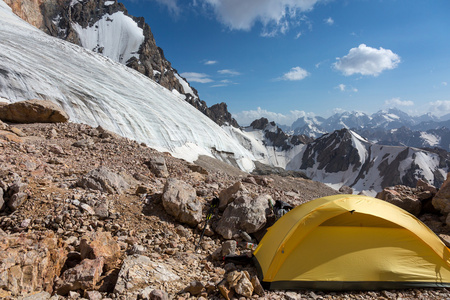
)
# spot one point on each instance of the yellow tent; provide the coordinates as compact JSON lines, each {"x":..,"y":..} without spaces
{"x":351,"y":242}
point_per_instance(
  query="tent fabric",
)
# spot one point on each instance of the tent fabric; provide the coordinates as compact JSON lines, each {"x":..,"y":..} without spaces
{"x":351,"y":242}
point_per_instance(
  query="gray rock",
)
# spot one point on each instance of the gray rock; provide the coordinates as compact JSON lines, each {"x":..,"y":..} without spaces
{"x":138,"y":270}
{"x":17,"y":200}
{"x":149,"y":293}
{"x":228,"y":195}
{"x":229,"y":247}
{"x":36,"y":296}
{"x":84,"y":143}
{"x":180,"y":201}
{"x":195,"y":287}
{"x":93,"y":295}
{"x":244,"y":214}
{"x":104,"y":180}
{"x":240,"y":282}
{"x":158,"y":166}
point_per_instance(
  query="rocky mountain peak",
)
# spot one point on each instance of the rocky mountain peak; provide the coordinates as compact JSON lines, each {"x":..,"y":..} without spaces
{"x":260,"y":124}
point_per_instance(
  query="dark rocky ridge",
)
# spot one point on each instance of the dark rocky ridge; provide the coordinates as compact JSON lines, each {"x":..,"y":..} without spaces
{"x":277,"y":137}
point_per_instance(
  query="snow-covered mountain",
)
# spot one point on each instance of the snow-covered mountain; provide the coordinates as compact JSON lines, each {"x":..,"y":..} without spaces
{"x":96,"y":90}
{"x":345,"y":158}
{"x":385,"y":127}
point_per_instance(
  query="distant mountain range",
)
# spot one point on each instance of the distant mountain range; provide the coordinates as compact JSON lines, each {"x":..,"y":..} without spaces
{"x":386,"y":127}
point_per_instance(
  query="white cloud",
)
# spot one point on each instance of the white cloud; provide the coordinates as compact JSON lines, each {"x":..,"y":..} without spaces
{"x":242,"y":15}
{"x":440,"y":107}
{"x":398,"y":102}
{"x":444,"y":83}
{"x":171,"y":5}
{"x":298,"y":35}
{"x":244,"y":118}
{"x":229,"y":72}
{"x":196,"y":77}
{"x":367,"y":61}
{"x":210,"y":62}
{"x":224,"y":82}
{"x":342,"y":87}
{"x":295,"y":73}
{"x":329,"y":21}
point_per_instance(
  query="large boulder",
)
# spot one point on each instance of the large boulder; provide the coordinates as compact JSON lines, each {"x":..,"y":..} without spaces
{"x":83,"y":276}
{"x":139,"y":272}
{"x":229,"y":194}
{"x":104,"y":180}
{"x":403,"y":197}
{"x":244,"y":214}
{"x":158,"y":166}
{"x":33,"y":111}
{"x":30,"y":262}
{"x":100,"y":245}
{"x":180,"y":201}
{"x":442,"y":199}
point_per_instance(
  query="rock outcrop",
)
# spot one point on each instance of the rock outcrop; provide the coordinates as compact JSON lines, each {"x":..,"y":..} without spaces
{"x":33,"y":111}
{"x":30,"y":262}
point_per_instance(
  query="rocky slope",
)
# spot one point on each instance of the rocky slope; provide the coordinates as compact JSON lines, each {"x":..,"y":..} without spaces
{"x":87,"y":214}
{"x":95,"y":25}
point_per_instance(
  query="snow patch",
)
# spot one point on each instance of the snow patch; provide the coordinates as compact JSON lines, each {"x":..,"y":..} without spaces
{"x":187,"y":89}
{"x":430,"y":139}
{"x":116,"y":36}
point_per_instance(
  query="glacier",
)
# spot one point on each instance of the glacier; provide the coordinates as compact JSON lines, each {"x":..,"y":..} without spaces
{"x":98,"y":91}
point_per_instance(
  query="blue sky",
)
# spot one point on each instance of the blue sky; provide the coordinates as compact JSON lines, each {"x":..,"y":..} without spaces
{"x":283,"y":58}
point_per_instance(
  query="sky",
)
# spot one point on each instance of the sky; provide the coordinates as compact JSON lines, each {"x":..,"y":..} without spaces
{"x":283,"y":59}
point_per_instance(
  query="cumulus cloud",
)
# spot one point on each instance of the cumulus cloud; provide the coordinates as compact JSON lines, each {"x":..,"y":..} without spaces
{"x":398,"y":102}
{"x":367,"y":61}
{"x":329,"y":21}
{"x":210,"y":62}
{"x":245,"y":118}
{"x":242,"y":15}
{"x":196,"y":77}
{"x":294,"y":74}
{"x":228,"y":72}
{"x":440,"y":107}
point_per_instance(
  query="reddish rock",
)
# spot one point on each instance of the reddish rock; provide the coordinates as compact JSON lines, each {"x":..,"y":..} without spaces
{"x":403,"y":197}
{"x":442,"y":199}
{"x":101,"y":244}
{"x":33,"y":111}
{"x":30,"y":262}
{"x":83,"y":276}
